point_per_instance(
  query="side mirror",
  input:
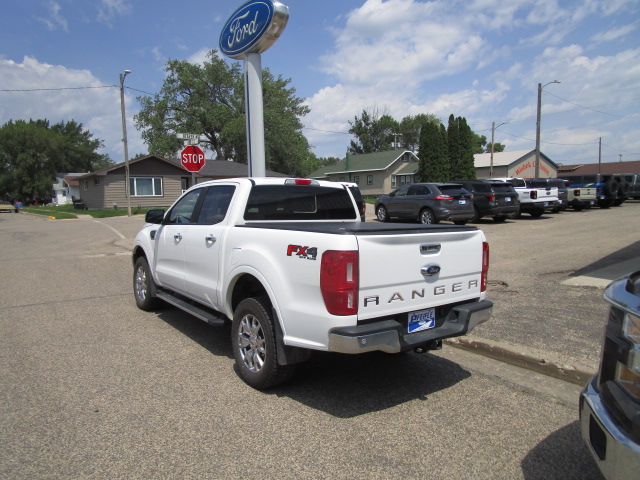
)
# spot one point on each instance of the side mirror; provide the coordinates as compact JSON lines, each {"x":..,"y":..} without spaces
{"x":154,"y":216}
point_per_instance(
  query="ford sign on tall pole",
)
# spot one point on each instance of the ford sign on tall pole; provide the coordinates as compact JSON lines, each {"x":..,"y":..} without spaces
{"x":250,"y":30}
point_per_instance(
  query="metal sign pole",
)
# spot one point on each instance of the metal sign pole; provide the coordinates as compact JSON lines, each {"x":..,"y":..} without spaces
{"x":254,"y":115}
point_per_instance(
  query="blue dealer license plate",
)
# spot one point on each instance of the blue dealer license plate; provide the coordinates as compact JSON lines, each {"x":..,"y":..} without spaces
{"x":422,"y":320}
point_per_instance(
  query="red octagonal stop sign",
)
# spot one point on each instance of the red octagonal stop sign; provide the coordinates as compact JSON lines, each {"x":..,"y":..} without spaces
{"x":192,"y":158}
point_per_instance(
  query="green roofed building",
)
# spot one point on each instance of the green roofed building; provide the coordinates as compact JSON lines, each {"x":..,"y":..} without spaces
{"x":375,"y":173}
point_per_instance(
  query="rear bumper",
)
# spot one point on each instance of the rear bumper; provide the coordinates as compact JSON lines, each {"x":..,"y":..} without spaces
{"x":390,"y":336}
{"x":582,"y":203}
{"x":499,"y":210}
{"x":547,"y":206}
{"x":617,"y":456}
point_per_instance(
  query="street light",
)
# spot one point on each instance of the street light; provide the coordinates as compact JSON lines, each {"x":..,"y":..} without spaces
{"x":493,"y":129}
{"x":124,"y":140}
{"x":540,"y":87}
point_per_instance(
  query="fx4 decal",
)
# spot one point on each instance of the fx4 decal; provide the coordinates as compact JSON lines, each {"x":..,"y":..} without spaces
{"x":310,"y":253}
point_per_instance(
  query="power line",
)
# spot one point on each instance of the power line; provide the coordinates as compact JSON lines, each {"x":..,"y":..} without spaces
{"x":326,"y":131}
{"x":52,"y":89}
{"x":587,"y":108}
{"x":68,"y":88}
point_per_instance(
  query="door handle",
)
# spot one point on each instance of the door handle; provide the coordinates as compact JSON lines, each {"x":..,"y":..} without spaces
{"x":177,"y":237}
{"x":210,"y":239}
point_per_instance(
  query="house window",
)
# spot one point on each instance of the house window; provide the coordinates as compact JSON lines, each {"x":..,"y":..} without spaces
{"x":146,"y":186}
{"x":369,"y":179}
{"x":341,"y":179}
{"x":356,"y":179}
{"x":96,"y":181}
{"x":86,"y":185}
{"x":394,"y":181}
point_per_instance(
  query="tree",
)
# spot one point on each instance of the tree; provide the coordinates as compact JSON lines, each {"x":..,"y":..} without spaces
{"x":31,"y":153}
{"x":410,"y":128}
{"x":497,"y":147}
{"x":433,"y":155}
{"x":374,"y":132}
{"x":208,"y":99}
{"x":461,"y":148}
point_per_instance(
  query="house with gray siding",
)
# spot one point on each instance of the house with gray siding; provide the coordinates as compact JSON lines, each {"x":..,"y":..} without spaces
{"x":375,"y":173}
{"x":154,"y":181}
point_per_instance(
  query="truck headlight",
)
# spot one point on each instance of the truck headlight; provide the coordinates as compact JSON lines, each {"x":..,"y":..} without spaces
{"x":628,"y":376}
{"x":631,"y":328}
{"x":628,"y":380}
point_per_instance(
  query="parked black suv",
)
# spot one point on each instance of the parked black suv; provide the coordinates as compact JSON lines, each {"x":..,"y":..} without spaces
{"x":428,"y":203}
{"x":489,"y":200}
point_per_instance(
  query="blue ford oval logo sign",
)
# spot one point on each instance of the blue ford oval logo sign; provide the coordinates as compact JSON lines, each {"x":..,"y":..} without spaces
{"x":253,"y":28}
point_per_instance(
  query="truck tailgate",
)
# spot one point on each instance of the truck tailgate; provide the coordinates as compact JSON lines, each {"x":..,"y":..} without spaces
{"x":412,"y":271}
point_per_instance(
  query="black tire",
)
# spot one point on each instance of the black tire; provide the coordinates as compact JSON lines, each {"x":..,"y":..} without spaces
{"x":253,"y":341}
{"x":427,"y":217}
{"x":499,"y":218}
{"x":578,"y":208}
{"x":381,"y":213}
{"x":536,"y":213}
{"x":460,"y":222}
{"x":144,"y":288}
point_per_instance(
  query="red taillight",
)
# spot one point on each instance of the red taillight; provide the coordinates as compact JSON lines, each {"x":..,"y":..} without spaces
{"x":485,"y":267}
{"x":576,"y":193}
{"x":443,"y":197}
{"x":491,"y":197}
{"x":533,"y":194}
{"x":339,"y":281}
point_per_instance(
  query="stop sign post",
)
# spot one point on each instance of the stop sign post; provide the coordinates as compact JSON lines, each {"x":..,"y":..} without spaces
{"x":192,"y":158}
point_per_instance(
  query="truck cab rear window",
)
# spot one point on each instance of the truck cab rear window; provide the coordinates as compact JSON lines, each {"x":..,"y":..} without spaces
{"x":305,"y":202}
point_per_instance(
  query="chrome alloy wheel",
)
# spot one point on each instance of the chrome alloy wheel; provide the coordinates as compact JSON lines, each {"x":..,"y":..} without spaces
{"x":251,"y":343}
{"x":141,"y":284}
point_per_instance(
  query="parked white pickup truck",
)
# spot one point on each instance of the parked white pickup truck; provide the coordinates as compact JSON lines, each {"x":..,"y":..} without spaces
{"x":289,"y":263}
{"x":533,"y":200}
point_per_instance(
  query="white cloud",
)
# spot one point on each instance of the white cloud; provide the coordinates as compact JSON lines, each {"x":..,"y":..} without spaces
{"x":613,"y":34}
{"x":55,"y":19}
{"x":483,"y":60}
{"x":109,"y":9}
{"x":57,"y":93}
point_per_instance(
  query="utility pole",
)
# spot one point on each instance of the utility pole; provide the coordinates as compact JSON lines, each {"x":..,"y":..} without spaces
{"x":493,"y":129}
{"x":540,"y":87}
{"x":127,"y":180}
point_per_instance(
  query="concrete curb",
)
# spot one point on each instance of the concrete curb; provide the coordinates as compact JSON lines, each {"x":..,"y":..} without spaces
{"x":524,"y":357}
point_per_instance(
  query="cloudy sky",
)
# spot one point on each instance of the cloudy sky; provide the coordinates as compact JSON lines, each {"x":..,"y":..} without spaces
{"x":480,"y":59}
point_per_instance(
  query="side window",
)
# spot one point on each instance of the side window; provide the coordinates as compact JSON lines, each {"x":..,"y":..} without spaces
{"x":215,"y":204}
{"x":182,"y":212}
{"x":402,"y":191}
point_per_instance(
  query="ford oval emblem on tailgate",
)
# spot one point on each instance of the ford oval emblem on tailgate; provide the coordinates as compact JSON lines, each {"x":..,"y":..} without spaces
{"x":430,"y":270}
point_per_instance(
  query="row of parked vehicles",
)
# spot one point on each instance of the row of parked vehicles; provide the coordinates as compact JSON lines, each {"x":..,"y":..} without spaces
{"x":462,"y":201}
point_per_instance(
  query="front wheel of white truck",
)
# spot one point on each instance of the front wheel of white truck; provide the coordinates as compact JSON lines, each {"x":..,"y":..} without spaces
{"x":254,"y":345}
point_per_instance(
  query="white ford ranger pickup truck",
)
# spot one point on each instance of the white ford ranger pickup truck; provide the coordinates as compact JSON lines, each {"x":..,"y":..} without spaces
{"x":290,"y":264}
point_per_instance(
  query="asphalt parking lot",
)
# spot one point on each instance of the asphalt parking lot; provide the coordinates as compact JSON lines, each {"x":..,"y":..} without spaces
{"x":92,"y":387}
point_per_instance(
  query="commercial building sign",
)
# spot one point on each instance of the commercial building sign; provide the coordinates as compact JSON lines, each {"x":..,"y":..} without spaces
{"x":253,"y":28}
